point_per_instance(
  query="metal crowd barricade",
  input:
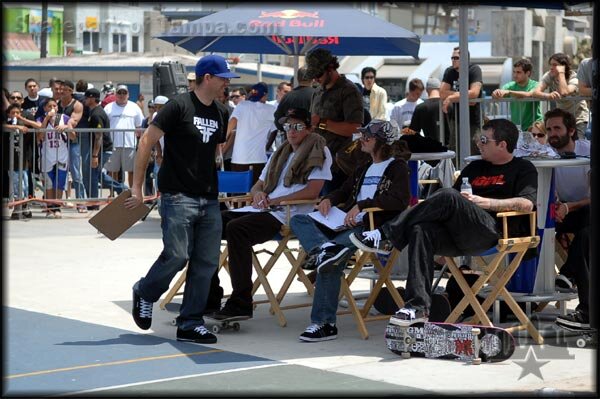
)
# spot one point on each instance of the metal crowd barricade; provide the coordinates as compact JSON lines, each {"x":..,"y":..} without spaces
{"x":17,"y":169}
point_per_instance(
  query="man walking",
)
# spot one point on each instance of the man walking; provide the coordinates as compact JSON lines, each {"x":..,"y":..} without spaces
{"x":192,"y":123}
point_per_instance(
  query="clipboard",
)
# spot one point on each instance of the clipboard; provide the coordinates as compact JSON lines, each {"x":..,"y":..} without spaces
{"x":114,"y":219}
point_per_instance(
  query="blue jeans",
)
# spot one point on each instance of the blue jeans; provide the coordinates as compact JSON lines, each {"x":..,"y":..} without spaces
{"x":107,"y":180}
{"x":327,"y":288}
{"x":75,"y":169}
{"x":191,"y":228}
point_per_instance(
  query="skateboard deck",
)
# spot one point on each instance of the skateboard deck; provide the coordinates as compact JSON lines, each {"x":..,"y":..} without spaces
{"x":450,"y":341}
{"x":440,"y":306}
{"x":225,"y":324}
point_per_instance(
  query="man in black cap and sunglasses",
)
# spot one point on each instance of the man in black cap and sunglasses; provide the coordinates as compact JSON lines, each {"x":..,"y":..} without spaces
{"x":336,"y":107}
{"x":454,"y":223}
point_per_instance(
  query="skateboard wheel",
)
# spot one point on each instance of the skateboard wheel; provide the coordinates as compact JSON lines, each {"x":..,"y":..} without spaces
{"x":405,"y":355}
{"x":476,"y":361}
{"x":581,"y":343}
{"x":236,"y":326}
{"x":216,"y":329}
{"x":174,"y":322}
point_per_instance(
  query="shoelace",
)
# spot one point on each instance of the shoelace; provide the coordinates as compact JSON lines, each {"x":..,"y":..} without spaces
{"x":313,"y":328}
{"x":201,"y":330}
{"x":145,"y":309}
{"x":373,"y":235}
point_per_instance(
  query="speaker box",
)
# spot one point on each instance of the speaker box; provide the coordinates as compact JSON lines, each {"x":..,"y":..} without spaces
{"x":168,"y":79}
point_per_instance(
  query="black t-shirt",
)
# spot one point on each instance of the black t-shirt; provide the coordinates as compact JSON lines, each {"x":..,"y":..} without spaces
{"x":192,"y":132}
{"x":98,"y":119}
{"x":426,"y":117}
{"x":31,"y":106}
{"x":475,"y":75}
{"x":517,"y":178}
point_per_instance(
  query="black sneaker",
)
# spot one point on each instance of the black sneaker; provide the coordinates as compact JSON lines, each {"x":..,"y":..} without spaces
{"x":408,"y":316}
{"x":233,"y":309}
{"x":317,"y":333}
{"x":310,"y":262}
{"x":564,"y":284}
{"x":199,"y":335}
{"x":371,"y":243}
{"x":142,"y":311}
{"x":330,"y":256}
{"x":576,"y":320}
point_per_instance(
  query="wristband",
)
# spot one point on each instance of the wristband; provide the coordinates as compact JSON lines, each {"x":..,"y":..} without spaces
{"x":323,"y":125}
{"x":566,"y":207}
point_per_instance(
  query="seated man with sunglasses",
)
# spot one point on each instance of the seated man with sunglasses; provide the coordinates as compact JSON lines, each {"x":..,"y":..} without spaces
{"x":383,"y":183}
{"x":451,"y":223}
{"x":296,"y":171}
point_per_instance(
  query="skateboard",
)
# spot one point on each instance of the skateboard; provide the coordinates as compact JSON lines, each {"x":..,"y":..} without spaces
{"x":587,"y":336}
{"x":440,"y":306}
{"x":225,"y":324}
{"x":463,"y":342}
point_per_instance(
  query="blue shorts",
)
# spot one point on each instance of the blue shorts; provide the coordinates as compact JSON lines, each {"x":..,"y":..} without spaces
{"x":56,"y":178}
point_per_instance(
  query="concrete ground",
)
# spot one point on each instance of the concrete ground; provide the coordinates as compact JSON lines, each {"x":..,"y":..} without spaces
{"x":68,"y":330}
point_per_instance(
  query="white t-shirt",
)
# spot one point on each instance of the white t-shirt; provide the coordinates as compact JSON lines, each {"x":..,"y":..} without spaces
{"x":254,"y":122}
{"x":54,"y":148}
{"x":572,"y":183}
{"x":372,"y":178}
{"x":280,"y":190}
{"x":128,"y":116}
{"x":403,"y":111}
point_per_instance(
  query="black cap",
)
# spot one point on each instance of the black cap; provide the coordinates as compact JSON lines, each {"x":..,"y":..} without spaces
{"x":92,"y":93}
{"x":300,"y":114}
{"x":69,"y":84}
{"x":317,"y":62}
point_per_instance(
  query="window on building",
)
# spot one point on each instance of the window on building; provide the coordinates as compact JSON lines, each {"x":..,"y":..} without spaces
{"x":135,"y":44}
{"x":119,"y":43}
{"x":91,"y":41}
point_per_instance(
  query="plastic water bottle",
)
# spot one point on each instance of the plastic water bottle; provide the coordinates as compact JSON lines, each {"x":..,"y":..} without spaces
{"x":465,"y":187}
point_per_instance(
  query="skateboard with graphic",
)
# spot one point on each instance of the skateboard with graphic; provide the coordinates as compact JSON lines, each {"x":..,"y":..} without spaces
{"x":225,"y":324}
{"x":468,"y":343}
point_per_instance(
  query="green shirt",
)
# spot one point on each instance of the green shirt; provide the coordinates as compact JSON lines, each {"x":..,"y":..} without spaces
{"x":524,"y":113}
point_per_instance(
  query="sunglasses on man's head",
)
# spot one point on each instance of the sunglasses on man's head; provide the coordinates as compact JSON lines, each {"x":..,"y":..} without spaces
{"x":296,"y":126}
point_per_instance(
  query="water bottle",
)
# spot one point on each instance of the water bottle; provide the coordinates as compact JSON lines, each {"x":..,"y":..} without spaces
{"x":465,"y":187}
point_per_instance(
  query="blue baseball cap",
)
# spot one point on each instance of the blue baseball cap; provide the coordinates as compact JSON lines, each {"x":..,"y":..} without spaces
{"x":214,"y":65}
{"x":258,"y":91}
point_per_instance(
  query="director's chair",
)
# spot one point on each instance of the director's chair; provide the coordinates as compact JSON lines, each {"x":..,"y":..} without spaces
{"x":497,"y":277}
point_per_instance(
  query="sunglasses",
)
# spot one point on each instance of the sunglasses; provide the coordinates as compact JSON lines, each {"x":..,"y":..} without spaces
{"x":235,"y":96}
{"x":121,"y":92}
{"x":16,"y":98}
{"x":538,"y":135}
{"x":484,"y":139}
{"x":296,"y":126}
{"x":455,"y":58}
{"x":369,"y":77}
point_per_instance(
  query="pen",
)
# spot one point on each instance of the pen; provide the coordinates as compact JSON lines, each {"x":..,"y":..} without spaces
{"x":261,"y":202}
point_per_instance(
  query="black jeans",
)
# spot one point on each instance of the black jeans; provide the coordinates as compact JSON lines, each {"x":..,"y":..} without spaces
{"x":444,"y":224}
{"x":574,"y":222}
{"x":242,"y":230}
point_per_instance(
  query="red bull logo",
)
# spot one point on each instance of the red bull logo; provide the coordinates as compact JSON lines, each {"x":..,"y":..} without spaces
{"x":329,"y":40}
{"x":290,"y":18}
{"x":289,"y":14}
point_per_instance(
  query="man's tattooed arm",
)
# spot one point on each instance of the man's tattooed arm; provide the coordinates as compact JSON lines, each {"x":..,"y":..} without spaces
{"x":510,"y":204}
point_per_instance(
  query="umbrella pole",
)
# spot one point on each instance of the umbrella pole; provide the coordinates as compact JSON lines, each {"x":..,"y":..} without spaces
{"x":296,"y":67}
{"x":259,"y":68}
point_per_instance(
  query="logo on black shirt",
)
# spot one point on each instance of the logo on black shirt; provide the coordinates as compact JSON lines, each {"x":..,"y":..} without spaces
{"x":206,"y":127}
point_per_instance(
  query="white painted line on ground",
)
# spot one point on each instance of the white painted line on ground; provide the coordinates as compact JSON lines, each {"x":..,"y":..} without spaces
{"x":174,"y":378}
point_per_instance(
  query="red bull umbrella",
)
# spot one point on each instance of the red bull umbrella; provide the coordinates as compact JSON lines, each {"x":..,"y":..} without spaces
{"x":293,"y":29}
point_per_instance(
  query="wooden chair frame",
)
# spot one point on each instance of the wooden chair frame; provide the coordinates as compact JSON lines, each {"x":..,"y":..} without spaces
{"x":497,"y":277}
{"x":361,"y":314}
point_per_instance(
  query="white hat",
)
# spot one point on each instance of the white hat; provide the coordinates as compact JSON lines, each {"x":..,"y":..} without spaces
{"x":45,"y":92}
{"x":90,"y":86}
{"x":160,"y":100}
